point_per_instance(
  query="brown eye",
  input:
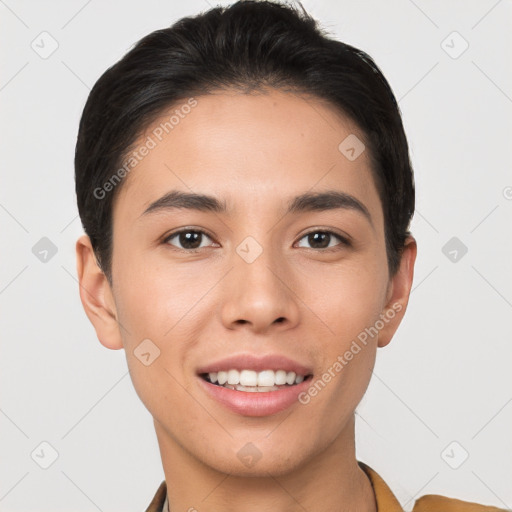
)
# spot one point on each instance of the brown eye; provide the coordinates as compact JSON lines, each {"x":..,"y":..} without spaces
{"x":324,"y":239}
{"x":188,"y":239}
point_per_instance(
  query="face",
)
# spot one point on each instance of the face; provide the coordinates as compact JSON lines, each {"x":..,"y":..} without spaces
{"x":251,"y":279}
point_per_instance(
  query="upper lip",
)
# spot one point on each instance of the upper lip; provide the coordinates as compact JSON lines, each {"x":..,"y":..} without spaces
{"x":256,"y":363}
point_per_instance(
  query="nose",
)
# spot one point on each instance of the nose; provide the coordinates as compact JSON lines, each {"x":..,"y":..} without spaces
{"x":259,"y":295}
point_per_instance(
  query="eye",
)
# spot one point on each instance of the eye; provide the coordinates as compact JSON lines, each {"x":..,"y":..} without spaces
{"x":321,"y":239}
{"x":189,"y":239}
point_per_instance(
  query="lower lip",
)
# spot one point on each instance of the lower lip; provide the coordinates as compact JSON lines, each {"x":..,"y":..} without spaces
{"x":256,"y":403}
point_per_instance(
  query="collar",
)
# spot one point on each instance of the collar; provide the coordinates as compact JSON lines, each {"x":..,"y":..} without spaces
{"x":384,"y":497}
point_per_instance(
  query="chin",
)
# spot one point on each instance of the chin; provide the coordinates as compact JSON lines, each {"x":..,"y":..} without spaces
{"x":257,"y":459}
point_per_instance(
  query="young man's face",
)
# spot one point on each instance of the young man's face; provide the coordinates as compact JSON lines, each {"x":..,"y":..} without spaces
{"x":256,"y":286}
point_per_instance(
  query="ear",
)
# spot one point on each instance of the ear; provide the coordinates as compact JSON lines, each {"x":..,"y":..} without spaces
{"x":96,"y":295}
{"x":398,"y":293}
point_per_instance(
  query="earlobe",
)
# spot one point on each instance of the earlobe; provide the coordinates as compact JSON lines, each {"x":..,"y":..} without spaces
{"x":399,"y":291}
{"x":96,"y":295}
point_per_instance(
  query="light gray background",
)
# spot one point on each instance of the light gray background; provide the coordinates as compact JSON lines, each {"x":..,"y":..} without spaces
{"x":445,"y":377}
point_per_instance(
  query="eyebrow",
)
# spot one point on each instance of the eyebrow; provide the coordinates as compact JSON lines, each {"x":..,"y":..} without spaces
{"x":309,"y":201}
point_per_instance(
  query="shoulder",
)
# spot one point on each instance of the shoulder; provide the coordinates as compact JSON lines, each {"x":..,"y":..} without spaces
{"x":387,"y":502}
{"x":436,"y":503}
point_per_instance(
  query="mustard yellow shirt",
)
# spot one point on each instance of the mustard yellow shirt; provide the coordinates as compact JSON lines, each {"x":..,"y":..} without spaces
{"x":385,"y":499}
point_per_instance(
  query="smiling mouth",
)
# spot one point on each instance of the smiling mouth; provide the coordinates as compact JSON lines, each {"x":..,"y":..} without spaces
{"x":253,"y":382}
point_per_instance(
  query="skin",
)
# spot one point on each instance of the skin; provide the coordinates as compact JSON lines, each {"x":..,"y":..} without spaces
{"x":255,"y":152}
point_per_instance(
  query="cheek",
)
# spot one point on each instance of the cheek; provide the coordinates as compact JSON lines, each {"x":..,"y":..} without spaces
{"x":159,"y":307}
{"x":165,"y":304}
{"x":346,"y":299}
{"x":349,"y":303}
{"x":155,"y":300}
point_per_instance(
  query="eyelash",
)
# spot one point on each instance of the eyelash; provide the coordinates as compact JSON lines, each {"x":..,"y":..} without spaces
{"x":344,"y":241}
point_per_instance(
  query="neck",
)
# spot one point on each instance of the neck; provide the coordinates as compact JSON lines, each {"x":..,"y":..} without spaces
{"x":332,"y":480}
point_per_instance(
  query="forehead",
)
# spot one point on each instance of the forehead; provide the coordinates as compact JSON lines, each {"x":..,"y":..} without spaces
{"x":263,"y":145}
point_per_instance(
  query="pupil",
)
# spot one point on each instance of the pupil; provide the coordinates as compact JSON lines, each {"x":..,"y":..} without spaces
{"x":190,"y":239}
{"x":319,"y":236}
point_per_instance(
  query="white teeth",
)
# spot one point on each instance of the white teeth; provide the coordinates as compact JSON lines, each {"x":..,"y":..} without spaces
{"x":251,"y":389}
{"x":233,"y":377}
{"x":266,"y":378}
{"x":262,"y":389}
{"x":290,"y":378}
{"x":250,"y":380}
{"x":280,"y":377}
